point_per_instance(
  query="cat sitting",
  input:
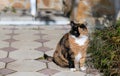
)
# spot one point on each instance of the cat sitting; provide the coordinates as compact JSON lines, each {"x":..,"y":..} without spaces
{"x":71,"y":49}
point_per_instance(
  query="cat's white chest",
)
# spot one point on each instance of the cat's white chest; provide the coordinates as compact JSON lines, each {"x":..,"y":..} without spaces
{"x":78,"y":57}
{"x":80,"y":41}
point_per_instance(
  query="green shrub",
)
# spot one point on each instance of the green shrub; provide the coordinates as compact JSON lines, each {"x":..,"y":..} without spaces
{"x":105,"y":49}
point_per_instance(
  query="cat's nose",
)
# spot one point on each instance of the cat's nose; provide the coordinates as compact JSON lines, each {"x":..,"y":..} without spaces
{"x":77,"y":35}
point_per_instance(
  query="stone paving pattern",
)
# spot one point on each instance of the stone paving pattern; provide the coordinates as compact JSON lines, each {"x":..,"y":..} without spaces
{"x":20,"y":46}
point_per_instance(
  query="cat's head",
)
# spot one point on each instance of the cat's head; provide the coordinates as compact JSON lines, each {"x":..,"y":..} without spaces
{"x":78,"y":29}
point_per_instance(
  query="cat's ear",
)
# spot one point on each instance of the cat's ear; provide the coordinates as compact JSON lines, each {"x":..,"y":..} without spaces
{"x":83,"y":26}
{"x":72,"y":23}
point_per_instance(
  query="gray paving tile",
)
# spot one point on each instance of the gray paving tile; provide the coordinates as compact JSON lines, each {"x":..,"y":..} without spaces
{"x":26,"y":45}
{"x":52,"y":44}
{"x":26,"y":74}
{"x":3,"y":54}
{"x":26,"y":65}
{"x":52,"y":65}
{"x":25,"y":54}
{"x":69,"y":73}
{"x":2,"y":65}
{"x":3,"y":36}
{"x":49,"y":71}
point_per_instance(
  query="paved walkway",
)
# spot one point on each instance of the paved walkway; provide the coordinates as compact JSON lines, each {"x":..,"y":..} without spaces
{"x":21,"y":45}
{"x":44,"y":17}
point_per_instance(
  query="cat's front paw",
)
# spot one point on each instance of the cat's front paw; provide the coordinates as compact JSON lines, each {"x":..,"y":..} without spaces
{"x":73,"y":69}
{"x":83,"y":68}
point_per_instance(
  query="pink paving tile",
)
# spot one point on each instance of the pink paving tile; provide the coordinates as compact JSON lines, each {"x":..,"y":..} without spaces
{"x":12,"y":34}
{"x":5,"y":71}
{"x":6,"y":60}
{"x":10,"y":40}
{"x":49,"y":71}
{"x":41,"y":40}
{"x":8,"y":49}
{"x":43,"y":49}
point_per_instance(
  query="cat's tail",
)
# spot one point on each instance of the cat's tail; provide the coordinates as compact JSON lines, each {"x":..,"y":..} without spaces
{"x":49,"y":58}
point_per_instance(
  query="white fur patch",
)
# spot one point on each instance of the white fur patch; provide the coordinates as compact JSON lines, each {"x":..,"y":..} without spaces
{"x":78,"y":57}
{"x":73,"y":69}
{"x":80,"y":41}
{"x":86,"y":3}
{"x":83,"y":68}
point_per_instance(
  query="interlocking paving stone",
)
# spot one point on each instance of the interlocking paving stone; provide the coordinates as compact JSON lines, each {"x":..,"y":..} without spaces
{"x":49,"y":71}
{"x":3,"y":36}
{"x":2,"y":65}
{"x":5,"y":71}
{"x":26,"y":65}
{"x":6,"y":60}
{"x":26,"y":45}
{"x":3,"y":54}
{"x":25,"y":54}
{"x":26,"y":74}
{"x":8,"y":49}
{"x":43,"y":49}
{"x":52,"y":44}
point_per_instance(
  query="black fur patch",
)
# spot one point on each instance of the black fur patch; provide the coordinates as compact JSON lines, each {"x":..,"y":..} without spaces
{"x":74,"y":28}
{"x":74,"y":31}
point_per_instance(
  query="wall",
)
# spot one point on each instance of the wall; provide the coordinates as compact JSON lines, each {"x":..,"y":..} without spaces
{"x":25,"y":4}
{"x":103,"y":6}
{"x":50,"y":4}
{"x":94,"y":12}
{"x":18,"y":4}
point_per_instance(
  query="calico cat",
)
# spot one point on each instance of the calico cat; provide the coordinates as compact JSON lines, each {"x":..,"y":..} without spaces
{"x":71,"y":49}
